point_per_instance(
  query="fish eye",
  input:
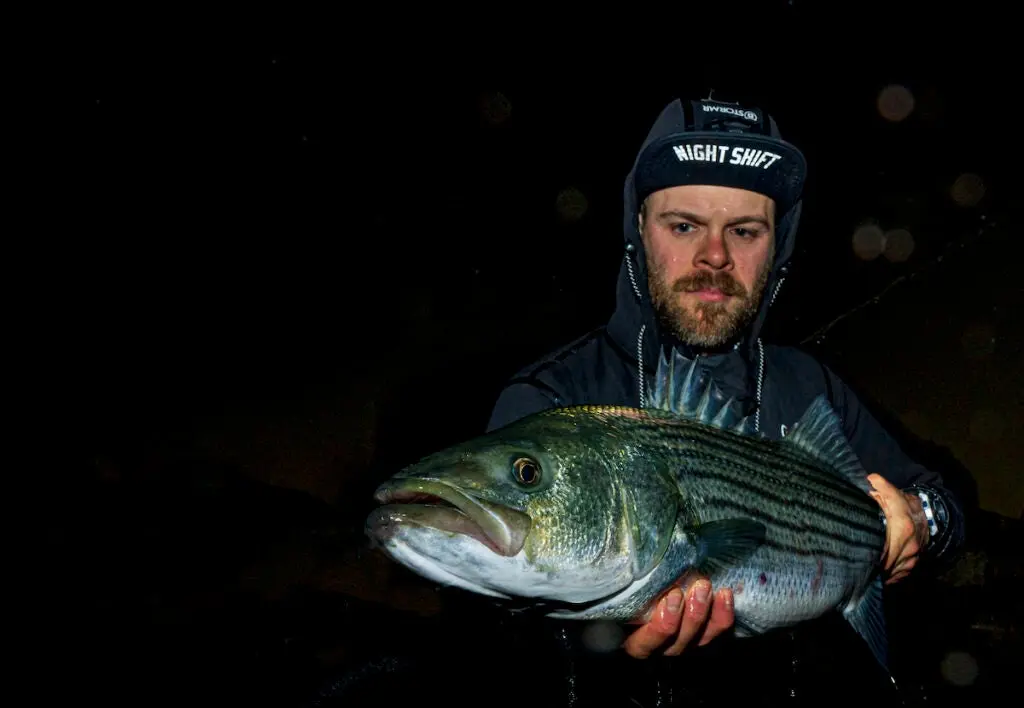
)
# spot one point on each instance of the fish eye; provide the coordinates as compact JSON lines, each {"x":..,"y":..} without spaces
{"x":526,"y":471}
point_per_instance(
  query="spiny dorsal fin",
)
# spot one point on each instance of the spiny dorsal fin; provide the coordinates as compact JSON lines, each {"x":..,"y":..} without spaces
{"x":681,"y":388}
{"x":820,"y":432}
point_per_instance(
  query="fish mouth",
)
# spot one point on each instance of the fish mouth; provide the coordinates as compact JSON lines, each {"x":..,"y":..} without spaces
{"x":425,"y":502}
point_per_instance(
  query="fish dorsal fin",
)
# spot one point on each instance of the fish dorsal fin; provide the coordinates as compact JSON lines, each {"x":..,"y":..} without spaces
{"x":820,"y":433}
{"x":683,"y":389}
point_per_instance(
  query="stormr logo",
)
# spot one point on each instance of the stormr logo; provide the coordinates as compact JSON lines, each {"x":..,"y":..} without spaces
{"x":738,"y":112}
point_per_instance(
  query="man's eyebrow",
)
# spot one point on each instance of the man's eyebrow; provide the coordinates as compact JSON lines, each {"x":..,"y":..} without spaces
{"x":689,"y":216}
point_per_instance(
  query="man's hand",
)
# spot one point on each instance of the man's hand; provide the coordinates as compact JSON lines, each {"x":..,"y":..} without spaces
{"x":906,"y":528}
{"x":702,"y":615}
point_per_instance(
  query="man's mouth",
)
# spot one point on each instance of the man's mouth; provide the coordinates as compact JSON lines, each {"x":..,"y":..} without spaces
{"x":710,"y":295}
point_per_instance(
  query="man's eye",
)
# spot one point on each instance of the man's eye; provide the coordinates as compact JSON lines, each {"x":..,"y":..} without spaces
{"x":682,"y":228}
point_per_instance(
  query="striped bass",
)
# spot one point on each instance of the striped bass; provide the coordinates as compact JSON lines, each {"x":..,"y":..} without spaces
{"x":600,"y":510}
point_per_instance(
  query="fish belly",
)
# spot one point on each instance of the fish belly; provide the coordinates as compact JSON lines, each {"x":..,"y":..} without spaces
{"x":774,"y":592}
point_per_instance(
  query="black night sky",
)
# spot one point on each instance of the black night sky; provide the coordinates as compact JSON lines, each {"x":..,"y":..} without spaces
{"x":289,"y":263}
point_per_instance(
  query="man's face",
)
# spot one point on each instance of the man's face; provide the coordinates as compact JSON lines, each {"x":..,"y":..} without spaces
{"x":709,"y":252}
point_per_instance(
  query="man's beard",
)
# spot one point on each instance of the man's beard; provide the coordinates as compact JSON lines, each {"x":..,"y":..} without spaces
{"x":707,"y":324}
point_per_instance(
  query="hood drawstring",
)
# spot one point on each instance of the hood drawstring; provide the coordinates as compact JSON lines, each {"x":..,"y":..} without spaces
{"x":760,"y":384}
{"x":640,"y":364}
{"x":630,"y":249}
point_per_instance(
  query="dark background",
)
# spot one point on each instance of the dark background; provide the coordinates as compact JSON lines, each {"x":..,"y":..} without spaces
{"x":284,"y":261}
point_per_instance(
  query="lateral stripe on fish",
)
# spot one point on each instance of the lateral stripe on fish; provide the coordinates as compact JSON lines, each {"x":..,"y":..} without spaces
{"x":745,"y":452}
{"x":740,"y":510}
{"x":867,"y":523}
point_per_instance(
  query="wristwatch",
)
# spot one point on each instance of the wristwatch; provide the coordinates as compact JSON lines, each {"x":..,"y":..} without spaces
{"x":935,"y":512}
{"x":934,"y":509}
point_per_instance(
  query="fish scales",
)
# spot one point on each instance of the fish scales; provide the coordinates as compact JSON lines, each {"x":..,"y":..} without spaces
{"x":817,"y":536}
{"x":743,"y":469}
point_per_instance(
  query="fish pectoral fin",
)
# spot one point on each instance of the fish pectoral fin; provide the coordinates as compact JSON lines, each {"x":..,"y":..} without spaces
{"x":868,"y":618}
{"x":727,"y":542}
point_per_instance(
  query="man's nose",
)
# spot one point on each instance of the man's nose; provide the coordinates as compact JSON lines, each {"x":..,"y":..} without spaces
{"x":713,"y":252}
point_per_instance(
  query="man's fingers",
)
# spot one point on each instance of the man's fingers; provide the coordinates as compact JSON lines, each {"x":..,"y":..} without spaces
{"x":698,"y":603}
{"x":902,"y":569}
{"x":663,"y":625}
{"x":722,"y":616}
{"x":896,"y":577}
{"x":701,"y":615}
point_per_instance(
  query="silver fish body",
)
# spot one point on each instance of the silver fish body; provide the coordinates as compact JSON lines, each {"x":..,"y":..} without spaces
{"x":599,"y":510}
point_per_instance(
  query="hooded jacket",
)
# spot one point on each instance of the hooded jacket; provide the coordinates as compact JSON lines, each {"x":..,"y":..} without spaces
{"x":615,"y":364}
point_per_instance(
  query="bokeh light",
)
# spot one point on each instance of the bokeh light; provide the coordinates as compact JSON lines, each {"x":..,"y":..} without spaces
{"x":571,"y":204}
{"x":868,"y":241}
{"x":602,"y":637}
{"x":495,"y":107}
{"x":898,"y":245}
{"x":959,"y":668}
{"x":895,"y":102}
{"x":967,"y":190}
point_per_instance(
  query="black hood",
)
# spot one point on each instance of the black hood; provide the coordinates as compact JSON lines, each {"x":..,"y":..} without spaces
{"x":735,"y":371}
